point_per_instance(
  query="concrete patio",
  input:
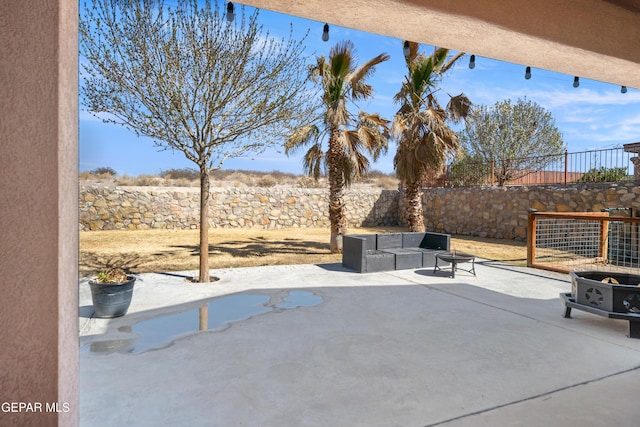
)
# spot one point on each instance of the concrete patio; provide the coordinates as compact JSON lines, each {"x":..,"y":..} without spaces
{"x":316,"y":345}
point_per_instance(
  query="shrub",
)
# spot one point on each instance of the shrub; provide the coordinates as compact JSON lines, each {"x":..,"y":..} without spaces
{"x":380,"y":179}
{"x":140,"y":181}
{"x":604,"y":174}
{"x":181,"y":183}
{"x":184,"y":173}
{"x":388,"y":182}
{"x":376,"y":174}
{"x":266,"y":181}
{"x":221,"y":174}
{"x":104,"y":170}
{"x":283,"y":176}
{"x":309,"y":182}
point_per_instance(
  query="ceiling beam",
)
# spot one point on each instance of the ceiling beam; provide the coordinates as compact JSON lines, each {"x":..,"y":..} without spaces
{"x":594,"y":39}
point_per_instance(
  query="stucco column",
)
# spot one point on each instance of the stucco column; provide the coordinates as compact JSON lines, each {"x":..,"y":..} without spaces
{"x":636,"y":168}
{"x":38,"y":213}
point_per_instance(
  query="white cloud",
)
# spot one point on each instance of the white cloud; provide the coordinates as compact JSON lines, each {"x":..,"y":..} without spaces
{"x":580,"y":116}
{"x":633,"y":120}
{"x":560,"y":98}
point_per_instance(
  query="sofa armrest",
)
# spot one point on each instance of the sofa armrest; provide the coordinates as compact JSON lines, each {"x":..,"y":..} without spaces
{"x":438,"y":241}
{"x":354,"y":250}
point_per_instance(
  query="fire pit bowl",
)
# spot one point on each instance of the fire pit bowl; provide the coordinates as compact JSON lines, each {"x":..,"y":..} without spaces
{"x":613,"y":295}
{"x":617,"y":292}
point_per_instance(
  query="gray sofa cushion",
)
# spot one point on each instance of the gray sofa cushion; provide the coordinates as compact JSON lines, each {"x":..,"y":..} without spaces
{"x":392,"y":251}
{"x":389,"y":241}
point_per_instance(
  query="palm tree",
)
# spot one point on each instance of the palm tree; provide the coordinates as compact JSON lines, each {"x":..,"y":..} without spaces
{"x":351,"y":137}
{"x":425,"y":141}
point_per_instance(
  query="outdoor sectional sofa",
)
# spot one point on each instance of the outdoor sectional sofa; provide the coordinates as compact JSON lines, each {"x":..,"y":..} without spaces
{"x":367,"y":253}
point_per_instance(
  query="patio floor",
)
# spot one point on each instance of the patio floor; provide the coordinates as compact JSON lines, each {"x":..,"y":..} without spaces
{"x":316,"y":345}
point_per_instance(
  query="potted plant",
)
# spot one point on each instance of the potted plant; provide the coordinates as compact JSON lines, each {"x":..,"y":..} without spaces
{"x":111,"y":292}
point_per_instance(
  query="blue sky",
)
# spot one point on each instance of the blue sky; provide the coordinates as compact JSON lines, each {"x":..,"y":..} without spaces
{"x":593,"y":116}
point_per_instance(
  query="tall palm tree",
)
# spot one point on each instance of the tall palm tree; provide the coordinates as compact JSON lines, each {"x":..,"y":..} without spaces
{"x":425,"y":141}
{"x":351,"y":137}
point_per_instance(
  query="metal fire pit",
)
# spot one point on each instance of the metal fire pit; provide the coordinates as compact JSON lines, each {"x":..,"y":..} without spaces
{"x":455,"y":258}
{"x":612,"y":295}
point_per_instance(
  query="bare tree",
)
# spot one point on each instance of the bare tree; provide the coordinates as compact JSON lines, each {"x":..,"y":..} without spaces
{"x":192,"y":80}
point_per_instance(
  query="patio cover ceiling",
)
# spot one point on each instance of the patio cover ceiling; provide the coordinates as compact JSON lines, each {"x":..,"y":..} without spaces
{"x":595,"y":39}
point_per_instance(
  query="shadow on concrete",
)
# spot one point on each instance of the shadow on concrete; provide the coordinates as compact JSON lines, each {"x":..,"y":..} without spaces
{"x":91,"y":263}
{"x":429,"y":271}
{"x":335,"y":266}
{"x":86,"y":311}
{"x":529,"y":271}
{"x":376,"y":355}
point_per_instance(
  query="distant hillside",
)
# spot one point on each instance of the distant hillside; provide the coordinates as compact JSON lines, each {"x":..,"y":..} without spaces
{"x":229,"y":178}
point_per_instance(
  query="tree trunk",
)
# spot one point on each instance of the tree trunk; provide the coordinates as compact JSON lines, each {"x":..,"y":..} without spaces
{"x":337,"y":216}
{"x":413,"y":199}
{"x":204,"y":224}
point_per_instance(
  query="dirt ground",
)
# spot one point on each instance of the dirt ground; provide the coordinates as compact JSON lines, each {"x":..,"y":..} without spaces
{"x":144,"y":251}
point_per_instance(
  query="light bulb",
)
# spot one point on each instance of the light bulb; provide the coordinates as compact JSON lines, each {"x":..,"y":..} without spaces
{"x":472,"y":62}
{"x":405,"y":48}
{"x":623,"y":89}
{"x":576,"y":81}
{"x":230,"y":12}
{"x":325,"y":33}
{"x":527,"y":73}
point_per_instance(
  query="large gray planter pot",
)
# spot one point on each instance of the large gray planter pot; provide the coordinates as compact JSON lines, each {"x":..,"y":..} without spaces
{"x":112,"y":299}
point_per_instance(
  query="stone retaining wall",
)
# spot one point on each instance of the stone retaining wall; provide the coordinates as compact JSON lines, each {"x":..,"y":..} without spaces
{"x":179,"y":208}
{"x":501,"y":212}
{"x":496,"y":212}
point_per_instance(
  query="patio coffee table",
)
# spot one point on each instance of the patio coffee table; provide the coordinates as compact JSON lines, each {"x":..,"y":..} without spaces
{"x":455,"y":258}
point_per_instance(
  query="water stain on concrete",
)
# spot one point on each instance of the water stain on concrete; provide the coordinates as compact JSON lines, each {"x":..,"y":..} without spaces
{"x":218,"y":313}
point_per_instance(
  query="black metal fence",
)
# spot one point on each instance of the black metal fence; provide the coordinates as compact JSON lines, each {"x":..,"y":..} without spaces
{"x":607,"y":165}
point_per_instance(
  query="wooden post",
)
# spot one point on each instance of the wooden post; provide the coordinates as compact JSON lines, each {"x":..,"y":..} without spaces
{"x":531,"y":237}
{"x":604,"y":238}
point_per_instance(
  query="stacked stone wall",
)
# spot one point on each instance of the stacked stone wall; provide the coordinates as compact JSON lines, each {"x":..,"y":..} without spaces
{"x":501,"y":212}
{"x":132,"y":208}
{"x":495,"y":212}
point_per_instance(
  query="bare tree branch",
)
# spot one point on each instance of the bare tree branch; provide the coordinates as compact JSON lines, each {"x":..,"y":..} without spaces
{"x":191,"y":81}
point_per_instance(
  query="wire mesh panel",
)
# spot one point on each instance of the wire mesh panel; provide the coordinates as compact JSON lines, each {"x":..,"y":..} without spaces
{"x":565,"y":243}
{"x":623,"y":245}
{"x":587,"y":241}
